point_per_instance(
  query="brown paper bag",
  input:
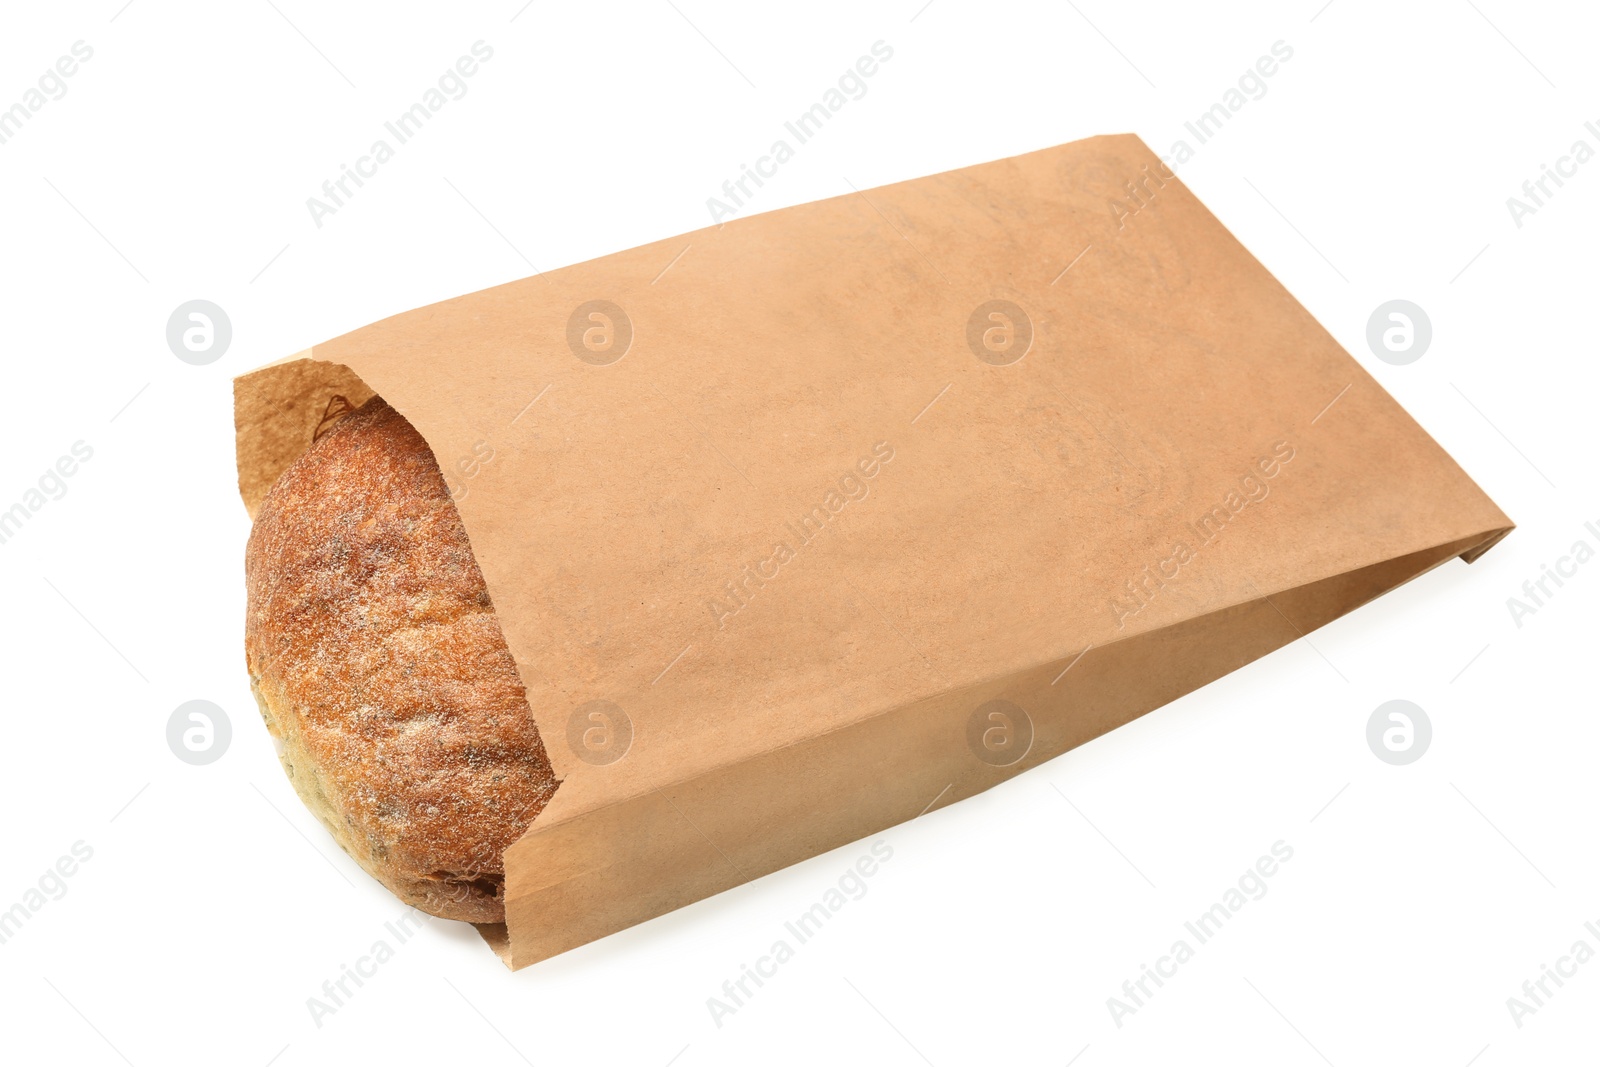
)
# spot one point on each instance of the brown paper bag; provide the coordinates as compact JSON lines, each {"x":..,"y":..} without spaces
{"x":803,"y":525}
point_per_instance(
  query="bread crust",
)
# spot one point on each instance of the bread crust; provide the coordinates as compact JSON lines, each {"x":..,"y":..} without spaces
{"x":378,"y":663}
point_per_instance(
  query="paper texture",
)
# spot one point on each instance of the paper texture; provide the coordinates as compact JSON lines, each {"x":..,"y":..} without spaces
{"x":826,"y":507}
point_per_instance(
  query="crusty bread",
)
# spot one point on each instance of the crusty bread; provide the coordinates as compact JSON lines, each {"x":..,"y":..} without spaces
{"x":378,"y":662}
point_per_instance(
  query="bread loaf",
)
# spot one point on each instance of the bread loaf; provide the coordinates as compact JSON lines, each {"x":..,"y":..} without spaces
{"x":378,"y":663}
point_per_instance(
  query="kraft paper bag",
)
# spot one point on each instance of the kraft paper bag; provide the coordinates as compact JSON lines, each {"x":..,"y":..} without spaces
{"x":803,"y":525}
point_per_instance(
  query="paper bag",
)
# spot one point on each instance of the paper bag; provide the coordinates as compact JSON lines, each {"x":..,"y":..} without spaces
{"x":803,"y":525}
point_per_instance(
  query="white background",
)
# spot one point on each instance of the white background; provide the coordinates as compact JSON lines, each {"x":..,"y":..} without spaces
{"x":1377,"y":166}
